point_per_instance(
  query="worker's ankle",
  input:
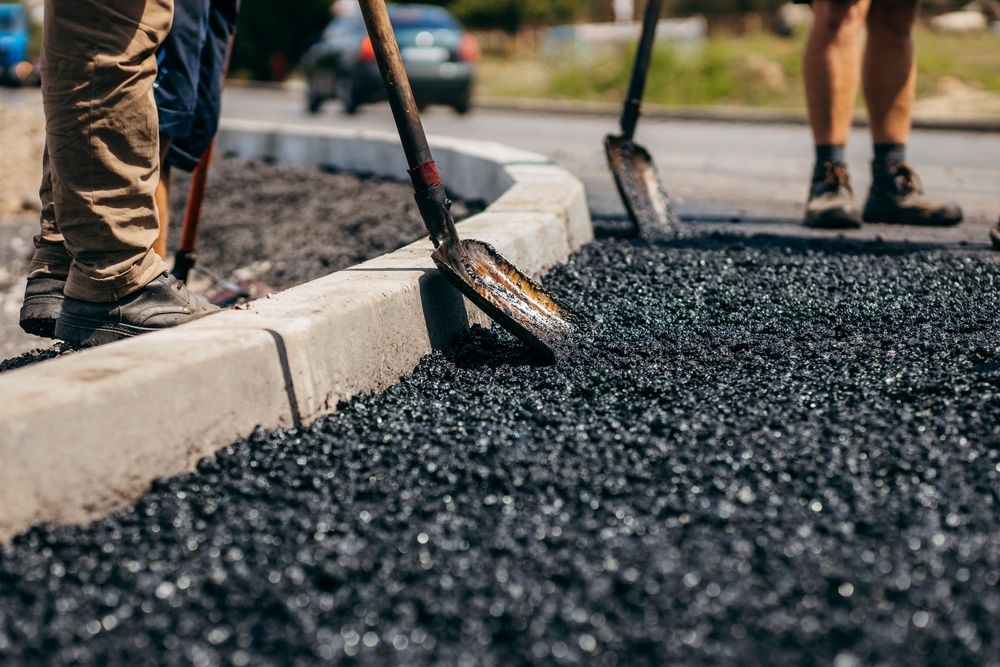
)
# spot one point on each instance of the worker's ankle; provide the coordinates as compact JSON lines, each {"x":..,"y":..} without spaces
{"x":827,"y":154}
{"x":886,"y":155}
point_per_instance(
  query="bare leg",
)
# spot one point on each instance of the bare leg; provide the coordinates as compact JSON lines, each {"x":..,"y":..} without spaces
{"x":163,"y":199}
{"x":832,"y":67}
{"x":890,"y":69}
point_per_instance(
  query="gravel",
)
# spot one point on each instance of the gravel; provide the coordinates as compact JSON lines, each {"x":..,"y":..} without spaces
{"x":34,"y":356}
{"x":775,"y":452}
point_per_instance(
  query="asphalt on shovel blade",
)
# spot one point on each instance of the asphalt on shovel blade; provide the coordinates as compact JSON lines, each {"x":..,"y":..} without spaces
{"x":515,"y":301}
{"x":639,"y":186}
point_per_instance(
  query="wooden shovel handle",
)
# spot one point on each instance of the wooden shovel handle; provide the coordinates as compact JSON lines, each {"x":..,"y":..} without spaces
{"x":397,"y":86}
{"x":630,"y":114}
{"x":196,"y":197}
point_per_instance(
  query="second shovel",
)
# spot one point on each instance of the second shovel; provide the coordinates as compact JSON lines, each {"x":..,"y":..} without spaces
{"x":635,"y":174}
{"x":496,"y":286}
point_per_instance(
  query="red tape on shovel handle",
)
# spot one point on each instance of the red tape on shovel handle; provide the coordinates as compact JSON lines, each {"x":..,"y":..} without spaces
{"x":424,"y":176}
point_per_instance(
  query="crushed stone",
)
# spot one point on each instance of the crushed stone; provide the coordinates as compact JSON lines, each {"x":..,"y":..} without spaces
{"x":775,"y":452}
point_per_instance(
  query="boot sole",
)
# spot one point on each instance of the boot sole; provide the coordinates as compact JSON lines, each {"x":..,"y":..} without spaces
{"x":910,"y":223}
{"x":38,"y":326}
{"x":39,"y":315}
{"x":832,"y":221}
{"x":894,"y":218}
{"x":89,"y":333}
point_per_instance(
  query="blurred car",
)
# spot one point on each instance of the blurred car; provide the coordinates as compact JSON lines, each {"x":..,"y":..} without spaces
{"x":15,"y":68}
{"x":438,"y":54}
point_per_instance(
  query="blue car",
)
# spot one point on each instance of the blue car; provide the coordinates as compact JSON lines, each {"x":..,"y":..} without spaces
{"x":14,"y":65}
{"x":438,"y":54}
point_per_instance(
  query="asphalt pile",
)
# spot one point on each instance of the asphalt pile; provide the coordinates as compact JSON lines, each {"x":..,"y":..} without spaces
{"x":775,"y":452}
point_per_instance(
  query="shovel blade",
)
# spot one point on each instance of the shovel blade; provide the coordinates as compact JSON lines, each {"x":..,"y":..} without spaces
{"x":512,"y":299}
{"x":639,"y":186}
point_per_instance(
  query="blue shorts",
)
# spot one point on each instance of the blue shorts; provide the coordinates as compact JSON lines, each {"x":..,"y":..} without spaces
{"x":192,"y":65}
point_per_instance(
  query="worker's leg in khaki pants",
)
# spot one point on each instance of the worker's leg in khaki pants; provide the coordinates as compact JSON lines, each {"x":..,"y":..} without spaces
{"x":98,"y":67}
{"x":43,"y":296}
{"x":50,"y":259}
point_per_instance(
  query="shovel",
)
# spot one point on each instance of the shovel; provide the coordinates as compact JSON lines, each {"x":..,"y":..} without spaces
{"x":635,"y":174}
{"x":186,"y":258}
{"x":496,"y":286}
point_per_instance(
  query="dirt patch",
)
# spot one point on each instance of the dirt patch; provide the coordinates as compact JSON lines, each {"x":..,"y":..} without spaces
{"x":34,"y":356}
{"x":281,"y":224}
{"x":957,"y":99}
{"x":288,"y":224}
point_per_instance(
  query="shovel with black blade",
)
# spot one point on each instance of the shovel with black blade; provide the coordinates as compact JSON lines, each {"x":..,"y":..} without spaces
{"x":635,"y":174}
{"x":496,"y":286}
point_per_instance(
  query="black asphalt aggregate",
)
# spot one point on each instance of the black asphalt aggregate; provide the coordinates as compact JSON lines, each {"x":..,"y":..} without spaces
{"x":775,"y":452}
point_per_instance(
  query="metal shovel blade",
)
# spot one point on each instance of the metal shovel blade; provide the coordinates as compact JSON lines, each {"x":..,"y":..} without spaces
{"x":639,"y":186}
{"x":512,"y":299}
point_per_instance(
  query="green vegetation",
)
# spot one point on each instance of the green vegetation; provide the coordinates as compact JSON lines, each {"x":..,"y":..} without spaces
{"x":754,"y":70}
{"x":973,"y":59}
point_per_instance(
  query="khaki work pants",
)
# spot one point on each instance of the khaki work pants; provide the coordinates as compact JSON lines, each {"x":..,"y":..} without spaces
{"x":101,"y":162}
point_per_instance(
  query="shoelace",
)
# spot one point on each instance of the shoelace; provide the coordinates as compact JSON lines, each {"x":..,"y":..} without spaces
{"x":837,"y":178}
{"x":905,"y":179}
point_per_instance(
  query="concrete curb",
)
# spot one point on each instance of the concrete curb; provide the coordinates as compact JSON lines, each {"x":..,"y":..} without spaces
{"x":727,"y":114}
{"x":85,"y":434}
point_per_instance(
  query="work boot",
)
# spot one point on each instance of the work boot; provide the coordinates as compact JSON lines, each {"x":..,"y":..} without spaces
{"x":897,"y":197}
{"x":164,"y":302}
{"x":43,"y":300}
{"x":831,"y":202}
{"x":995,"y":236}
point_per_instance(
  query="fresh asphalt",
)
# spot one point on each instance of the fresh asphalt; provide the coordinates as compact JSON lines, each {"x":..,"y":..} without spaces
{"x":776,"y":451}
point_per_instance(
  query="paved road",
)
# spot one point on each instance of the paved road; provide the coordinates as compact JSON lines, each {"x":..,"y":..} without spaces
{"x":718,"y":171}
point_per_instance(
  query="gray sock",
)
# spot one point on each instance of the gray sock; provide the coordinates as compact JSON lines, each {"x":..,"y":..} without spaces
{"x":832,"y":153}
{"x":886,"y":154}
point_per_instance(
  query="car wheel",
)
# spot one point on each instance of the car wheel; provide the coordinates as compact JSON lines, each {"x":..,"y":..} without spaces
{"x":463,"y":104}
{"x":347,"y":95}
{"x":313,"y":100}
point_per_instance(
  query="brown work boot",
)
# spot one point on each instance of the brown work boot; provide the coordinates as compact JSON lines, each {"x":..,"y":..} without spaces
{"x":165,"y":302}
{"x":897,"y":197}
{"x":831,"y":202}
{"x":43,"y":300}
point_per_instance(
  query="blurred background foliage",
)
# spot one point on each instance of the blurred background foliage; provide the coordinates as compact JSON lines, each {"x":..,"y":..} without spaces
{"x":274,"y":32}
{"x":755,"y":68}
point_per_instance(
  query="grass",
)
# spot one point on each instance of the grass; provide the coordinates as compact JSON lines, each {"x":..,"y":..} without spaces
{"x":754,"y":70}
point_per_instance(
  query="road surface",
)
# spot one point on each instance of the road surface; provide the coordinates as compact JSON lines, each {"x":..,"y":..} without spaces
{"x":717,"y":171}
